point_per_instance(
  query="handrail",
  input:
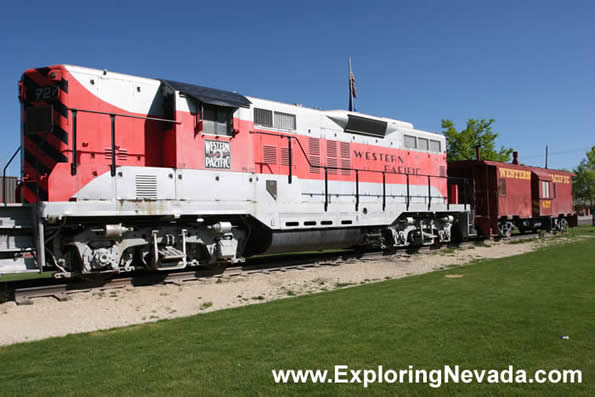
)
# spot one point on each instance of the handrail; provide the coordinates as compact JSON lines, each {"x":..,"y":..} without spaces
{"x":4,"y":175}
{"x":383,"y":191}
{"x":113,"y":135}
{"x":125,"y":115}
{"x":356,"y":190}
{"x":112,"y":116}
{"x":430,"y":193}
{"x":74,"y":153}
{"x":346,"y":168}
{"x":408,"y":197}
{"x":357,"y":170}
{"x":325,"y":189}
{"x":290,"y":160}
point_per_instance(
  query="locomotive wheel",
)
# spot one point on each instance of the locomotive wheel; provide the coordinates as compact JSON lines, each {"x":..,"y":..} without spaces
{"x":73,"y":260}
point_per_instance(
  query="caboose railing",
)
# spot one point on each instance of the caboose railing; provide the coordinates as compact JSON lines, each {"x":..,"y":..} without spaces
{"x":112,"y":116}
{"x":358,"y":170}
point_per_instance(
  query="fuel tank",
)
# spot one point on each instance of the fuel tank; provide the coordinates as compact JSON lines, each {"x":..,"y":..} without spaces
{"x":313,"y":240}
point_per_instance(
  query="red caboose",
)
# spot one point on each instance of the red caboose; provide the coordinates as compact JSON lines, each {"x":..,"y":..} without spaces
{"x":512,"y":195}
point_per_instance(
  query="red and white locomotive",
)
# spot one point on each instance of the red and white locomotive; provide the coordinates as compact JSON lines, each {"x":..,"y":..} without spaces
{"x":121,"y":172}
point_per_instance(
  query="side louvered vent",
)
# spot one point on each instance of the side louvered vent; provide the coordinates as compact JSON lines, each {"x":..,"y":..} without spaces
{"x":284,"y":121}
{"x":270,"y":154}
{"x":146,"y":187}
{"x":285,"y":156}
{"x":263,"y":117}
{"x":345,"y":157}
{"x":331,"y":157}
{"x":314,"y":154}
{"x":121,"y":154}
{"x":442,"y":170}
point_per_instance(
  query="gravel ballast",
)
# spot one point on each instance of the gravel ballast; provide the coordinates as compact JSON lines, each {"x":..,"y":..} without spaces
{"x":93,"y":311}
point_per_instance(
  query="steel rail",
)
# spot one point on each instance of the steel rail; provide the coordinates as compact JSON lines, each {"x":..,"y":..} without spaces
{"x":23,"y":294}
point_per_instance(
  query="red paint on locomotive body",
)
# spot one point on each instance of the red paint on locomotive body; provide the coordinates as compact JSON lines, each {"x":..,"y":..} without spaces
{"x":93,"y":138}
{"x":43,"y":94}
{"x":149,"y":143}
{"x":395,"y":163}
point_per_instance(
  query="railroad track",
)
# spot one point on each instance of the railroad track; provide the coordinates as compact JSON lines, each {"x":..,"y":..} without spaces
{"x":24,"y":292}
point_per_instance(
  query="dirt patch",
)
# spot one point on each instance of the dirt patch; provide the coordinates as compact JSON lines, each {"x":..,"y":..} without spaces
{"x":95,"y":311}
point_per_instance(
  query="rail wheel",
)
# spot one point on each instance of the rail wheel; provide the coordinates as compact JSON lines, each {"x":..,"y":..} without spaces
{"x":505,"y":229}
{"x":563,"y":225}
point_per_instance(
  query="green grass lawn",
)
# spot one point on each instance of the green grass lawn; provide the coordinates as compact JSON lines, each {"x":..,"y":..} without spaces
{"x":25,"y":276}
{"x":509,"y":311}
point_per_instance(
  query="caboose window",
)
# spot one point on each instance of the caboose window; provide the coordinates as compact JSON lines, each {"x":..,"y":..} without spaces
{"x":502,"y":187}
{"x":218,"y":120}
{"x":422,"y":143}
{"x":545,"y":189}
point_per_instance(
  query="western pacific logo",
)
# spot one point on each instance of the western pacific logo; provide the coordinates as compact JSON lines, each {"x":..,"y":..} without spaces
{"x":217,"y":154}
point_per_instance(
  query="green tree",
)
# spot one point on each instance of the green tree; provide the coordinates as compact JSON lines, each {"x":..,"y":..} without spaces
{"x":584,"y":183}
{"x":461,"y":144}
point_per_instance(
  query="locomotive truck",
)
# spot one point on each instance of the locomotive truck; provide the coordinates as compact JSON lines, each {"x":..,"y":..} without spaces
{"x":121,"y":172}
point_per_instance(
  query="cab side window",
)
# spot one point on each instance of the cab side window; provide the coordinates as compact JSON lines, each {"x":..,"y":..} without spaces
{"x":218,"y":120}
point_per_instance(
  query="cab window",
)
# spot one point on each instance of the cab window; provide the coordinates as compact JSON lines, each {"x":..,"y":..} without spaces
{"x":218,"y":120}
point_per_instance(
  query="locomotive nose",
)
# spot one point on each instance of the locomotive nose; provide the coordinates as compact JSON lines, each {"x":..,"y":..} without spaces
{"x":43,"y":94}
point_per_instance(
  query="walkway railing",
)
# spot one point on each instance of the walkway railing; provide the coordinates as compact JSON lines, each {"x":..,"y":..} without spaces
{"x":459,"y":180}
{"x":112,"y":116}
{"x":4,"y":175}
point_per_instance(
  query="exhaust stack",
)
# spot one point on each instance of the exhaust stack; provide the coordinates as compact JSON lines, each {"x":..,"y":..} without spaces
{"x":515,"y":158}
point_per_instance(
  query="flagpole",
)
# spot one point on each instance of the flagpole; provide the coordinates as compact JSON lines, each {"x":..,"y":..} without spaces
{"x":350,"y":89}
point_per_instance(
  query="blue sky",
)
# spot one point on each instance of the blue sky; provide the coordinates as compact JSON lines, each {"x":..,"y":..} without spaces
{"x":528,"y":64}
